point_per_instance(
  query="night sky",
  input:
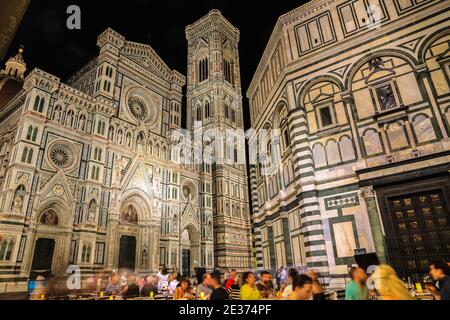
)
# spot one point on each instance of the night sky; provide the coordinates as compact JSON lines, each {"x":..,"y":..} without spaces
{"x":50,"y":46}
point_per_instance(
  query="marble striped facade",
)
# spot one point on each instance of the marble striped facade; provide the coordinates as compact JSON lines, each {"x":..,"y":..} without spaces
{"x":321,"y":56}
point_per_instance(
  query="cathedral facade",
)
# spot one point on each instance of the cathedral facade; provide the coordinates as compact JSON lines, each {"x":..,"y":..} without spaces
{"x":97,"y":173}
{"x":351,"y":116}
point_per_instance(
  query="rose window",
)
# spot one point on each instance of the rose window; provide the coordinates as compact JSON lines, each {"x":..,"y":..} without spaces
{"x":138,"y":108}
{"x":61,"y":156}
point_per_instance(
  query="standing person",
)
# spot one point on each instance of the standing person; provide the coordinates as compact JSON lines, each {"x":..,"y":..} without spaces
{"x":183,"y":291}
{"x":440,"y":271}
{"x":291,"y":276}
{"x":265,"y":285}
{"x":163,"y":279}
{"x":218,"y":292}
{"x":302,"y":288}
{"x":278,"y":277}
{"x":205,"y":286}
{"x":234,"y":291}
{"x":283,"y":276}
{"x":388,"y":284}
{"x":231,"y":280}
{"x":249,"y":291}
{"x":357,"y":288}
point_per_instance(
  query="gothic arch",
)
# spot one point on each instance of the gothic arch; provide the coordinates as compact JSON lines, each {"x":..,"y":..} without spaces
{"x":60,"y":208}
{"x":141,"y":202}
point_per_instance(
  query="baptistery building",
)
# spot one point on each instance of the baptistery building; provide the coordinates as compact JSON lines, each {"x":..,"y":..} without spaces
{"x":350,"y":113}
{"x":97,"y":174}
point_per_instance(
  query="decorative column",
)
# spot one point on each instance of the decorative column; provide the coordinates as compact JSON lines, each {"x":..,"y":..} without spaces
{"x":375,"y":224}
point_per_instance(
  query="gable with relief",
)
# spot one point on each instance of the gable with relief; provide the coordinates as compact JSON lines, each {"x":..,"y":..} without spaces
{"x":57,"y":188}
{"x":140,"y":177}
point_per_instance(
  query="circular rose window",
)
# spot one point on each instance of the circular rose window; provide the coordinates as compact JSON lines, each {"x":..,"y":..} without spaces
{"x":61,"y":156}
{"x":138,"y":108}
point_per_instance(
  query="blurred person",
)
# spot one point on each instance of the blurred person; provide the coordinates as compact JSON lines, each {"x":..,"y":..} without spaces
{"x":317,"y":289}
{"x":124,"y":279}
{"x":440,"y":271}
{"x":163,"y":279}
{"x":302,"y":288}
{"x":218,"y":292}
{"x":234,"y":291}
{"x":205,"y":286}
{"x":183,"y":291}
{"x":283,"y":276}
{"x":357,"y":288}
{"x":291,"y":276}
{"x":151,"y":285}
{"x":38,"y":288}
{"x":114,"y":286}
{"x":231,"y":280}
{"x":142,"y":285}
{"x":388,"y":285}
{"x":131,"y":290}
{"x":249,"y":291}
{"x":174,"y":280}
{"x":265,"y":285}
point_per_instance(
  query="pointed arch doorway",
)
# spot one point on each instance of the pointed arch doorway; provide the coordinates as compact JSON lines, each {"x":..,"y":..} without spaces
{"x":127,"y":254}
{"x":190,"y":250}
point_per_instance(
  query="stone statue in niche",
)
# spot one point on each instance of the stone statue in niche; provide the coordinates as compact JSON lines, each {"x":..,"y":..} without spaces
{"x":19,"y":196}
{"x":144,"y":257}
{"x":91,"y":211}
{"x":175,"y":224}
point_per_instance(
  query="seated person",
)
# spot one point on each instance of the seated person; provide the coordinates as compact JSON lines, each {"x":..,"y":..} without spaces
{"x":184,"y":291}
{"x":114,"y":287}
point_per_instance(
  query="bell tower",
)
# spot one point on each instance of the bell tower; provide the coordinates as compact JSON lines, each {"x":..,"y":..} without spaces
{"x":215,"y":121}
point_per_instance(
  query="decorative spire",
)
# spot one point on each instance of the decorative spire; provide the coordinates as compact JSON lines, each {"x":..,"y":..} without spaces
{"x":16,"y":66}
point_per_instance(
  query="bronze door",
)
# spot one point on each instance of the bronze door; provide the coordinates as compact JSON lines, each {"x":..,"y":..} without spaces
{"x":420,"y":232}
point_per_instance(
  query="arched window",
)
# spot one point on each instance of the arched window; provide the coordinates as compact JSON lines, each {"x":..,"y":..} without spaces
{"x":227,"y":111}
{"x":36,"y":103}
{"x":101,"y":127}
{"x":6,"y":249}
{"x":199,"y":113}
{"x":203,"y":69}
{"x":140,"y":141}
{"x":233,"y":115}
{"x":39,"y":104}
{"x":228,"y":71}
{"x":27,"y":155}
{"x":207,"y":110}
{"x":32,"y":133}
{"x":86,"y":253}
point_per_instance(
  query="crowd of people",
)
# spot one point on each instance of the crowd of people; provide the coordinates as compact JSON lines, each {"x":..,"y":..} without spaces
{"x":289,"y":284}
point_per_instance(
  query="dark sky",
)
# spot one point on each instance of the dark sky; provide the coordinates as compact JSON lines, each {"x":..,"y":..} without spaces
{"x":50,"y":46}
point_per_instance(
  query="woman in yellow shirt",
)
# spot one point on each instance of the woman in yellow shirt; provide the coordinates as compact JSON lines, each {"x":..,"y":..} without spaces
{"x":249,"y":290}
